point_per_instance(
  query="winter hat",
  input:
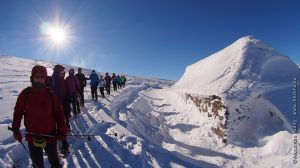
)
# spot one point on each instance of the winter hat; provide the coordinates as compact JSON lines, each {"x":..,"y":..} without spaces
{"x":71,"y":71}
{"x":38,"y":69}
{"x":57,"y":69}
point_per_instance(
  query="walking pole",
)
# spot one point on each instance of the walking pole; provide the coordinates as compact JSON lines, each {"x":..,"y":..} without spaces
{"x":69,"y":135}
{"x":23,"y":145}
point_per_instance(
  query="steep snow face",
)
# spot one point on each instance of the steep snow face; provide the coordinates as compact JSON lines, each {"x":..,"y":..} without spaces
{"x":254,"y":81}
{"x":235,"y":70}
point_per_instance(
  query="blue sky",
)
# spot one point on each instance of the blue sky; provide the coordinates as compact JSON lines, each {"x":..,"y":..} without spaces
{"x":151,"y":38}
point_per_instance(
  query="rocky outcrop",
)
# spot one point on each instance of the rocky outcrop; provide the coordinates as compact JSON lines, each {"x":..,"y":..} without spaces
{"x":215,"y":108}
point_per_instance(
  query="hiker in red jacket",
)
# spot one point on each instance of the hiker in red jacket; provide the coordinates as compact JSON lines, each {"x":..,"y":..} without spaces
{"x":73,"y":86}
{"x":60,"y":87}
{"x":43,"y":114}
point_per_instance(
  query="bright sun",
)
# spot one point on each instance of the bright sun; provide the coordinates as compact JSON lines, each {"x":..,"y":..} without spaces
{"x":57,"y":35}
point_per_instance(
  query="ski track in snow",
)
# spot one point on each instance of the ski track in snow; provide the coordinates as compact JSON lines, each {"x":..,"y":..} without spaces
{"x":99,"y":118}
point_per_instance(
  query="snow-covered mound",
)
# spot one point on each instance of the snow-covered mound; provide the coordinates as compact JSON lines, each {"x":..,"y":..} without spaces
{"x":237,"y":69}
{"x":255,"y":84}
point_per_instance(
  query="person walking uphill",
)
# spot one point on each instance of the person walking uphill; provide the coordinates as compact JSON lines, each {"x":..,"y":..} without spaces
{"x":60,"y":88}
{"x":82,"y":83}
{"x":101,"y":86}
{"x":123,"y":81}
{"x":59,"y":85}
{"x":119,"y":82}
{"x":107,"y":79}
{"x":114,"y":80}
{"x":43,"y":114}
{"x":73,"y":89}
{"x":94,"y":84}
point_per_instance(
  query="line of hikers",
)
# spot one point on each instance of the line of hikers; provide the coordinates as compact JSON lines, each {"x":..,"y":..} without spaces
{"x":118,"y":82}
{"x":46,"y":108}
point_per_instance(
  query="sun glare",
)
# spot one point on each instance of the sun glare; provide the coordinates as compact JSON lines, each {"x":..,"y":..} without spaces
{"x":57,"y":35}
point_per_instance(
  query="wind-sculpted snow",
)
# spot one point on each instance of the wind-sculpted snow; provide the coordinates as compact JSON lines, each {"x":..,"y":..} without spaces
{"x":255,"y":83}
{"x":148,"y":124}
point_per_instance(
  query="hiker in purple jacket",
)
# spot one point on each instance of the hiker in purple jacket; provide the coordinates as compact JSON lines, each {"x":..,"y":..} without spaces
{"x":73,"y":90}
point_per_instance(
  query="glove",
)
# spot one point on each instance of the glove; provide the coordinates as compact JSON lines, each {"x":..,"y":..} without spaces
{"x":18,"y":135}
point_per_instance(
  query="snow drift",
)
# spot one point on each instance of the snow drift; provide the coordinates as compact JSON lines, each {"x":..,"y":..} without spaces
{"x":241,"y":95}
{"x":253,"y":80}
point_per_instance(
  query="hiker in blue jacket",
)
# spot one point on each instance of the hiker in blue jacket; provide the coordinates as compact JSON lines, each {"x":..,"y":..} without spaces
{"x":94,"y":84}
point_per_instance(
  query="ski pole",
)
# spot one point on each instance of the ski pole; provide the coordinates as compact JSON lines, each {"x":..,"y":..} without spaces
{"x":69,"y":135}
{"x":89,"y":136}
{"x":23,"y":145}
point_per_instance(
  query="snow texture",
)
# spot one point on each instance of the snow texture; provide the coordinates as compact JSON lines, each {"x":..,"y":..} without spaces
{"x":255,"y":83}
{"x":158,"y":125}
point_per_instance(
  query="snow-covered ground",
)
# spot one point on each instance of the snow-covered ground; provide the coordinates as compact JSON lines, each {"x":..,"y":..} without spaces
{"x":160,"y":125}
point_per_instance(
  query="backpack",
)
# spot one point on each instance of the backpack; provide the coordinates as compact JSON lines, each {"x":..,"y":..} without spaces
{"x":101,"y":83}
{"x":39,"y":142}
{"x":27,"y":92}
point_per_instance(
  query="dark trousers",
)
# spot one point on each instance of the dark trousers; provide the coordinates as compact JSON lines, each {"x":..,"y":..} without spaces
{"x":75,"y":104}
{"x":102,"y":91}
{"x":67,"y":111}
{"x":115,"y":86}
{"x":107,"y":87}
{"x":65,"y":144}
{"x":81,"y":91}
{"x":36,"y":155}
{"x":94,"y":92}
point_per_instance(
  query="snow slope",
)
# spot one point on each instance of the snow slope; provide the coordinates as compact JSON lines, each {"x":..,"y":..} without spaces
{"x":255,"y":83}
{"x":161,"y":126}
{"x":237,"y":69}
{"x":104,"y":150}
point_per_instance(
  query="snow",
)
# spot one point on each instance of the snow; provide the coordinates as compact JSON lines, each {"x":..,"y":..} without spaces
{"x":235,"y":70}
{"x":250,"y":74}
{"x":159,"y":124}
{"x":278,"y":144}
